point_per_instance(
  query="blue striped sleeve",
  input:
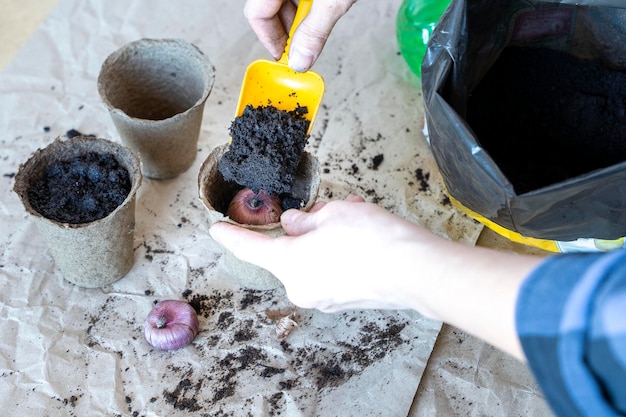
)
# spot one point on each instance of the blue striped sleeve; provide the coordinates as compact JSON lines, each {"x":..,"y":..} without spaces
{"x":571,"y":321}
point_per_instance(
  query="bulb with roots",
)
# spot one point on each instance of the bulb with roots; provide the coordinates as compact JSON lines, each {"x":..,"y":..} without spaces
{"x":248,"y":207}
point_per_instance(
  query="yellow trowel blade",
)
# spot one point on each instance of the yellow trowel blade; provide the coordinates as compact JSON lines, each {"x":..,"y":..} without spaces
{"x":274,"y":83}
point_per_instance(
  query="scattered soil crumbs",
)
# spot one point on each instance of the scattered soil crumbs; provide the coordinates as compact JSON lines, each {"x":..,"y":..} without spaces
{"x":68,"y":404}
{"x":151,"y":250}
{"x":70,"y":401}
{"x":86,"y":188}
{"x":182,"y":397}
{"x":360,"y":166}
{"x":208,"y":305}
{"x":251,"y":297}
{"x":243,"y":358}
{"x":73,"y":133}
{"x":332,"y":368}
{"x":377,"y":160}
{"x":266,"y":148}
{"x":246,"y":358}
{"x":545,"y":116}
{"x":422,"y":179}
{"x":100,"y":323}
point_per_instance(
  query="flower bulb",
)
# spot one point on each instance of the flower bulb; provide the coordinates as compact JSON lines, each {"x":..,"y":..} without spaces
{"x":248,"y":207}
{"x":171,"y":325}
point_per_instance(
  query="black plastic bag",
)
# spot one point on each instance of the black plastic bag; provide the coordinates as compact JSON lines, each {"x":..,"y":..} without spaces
{"x":469,"y":38}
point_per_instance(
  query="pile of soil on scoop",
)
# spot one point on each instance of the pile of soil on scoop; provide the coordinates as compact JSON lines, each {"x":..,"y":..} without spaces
{"x":266,"y":148}
{"x":545,"y":116}
{"x":81,"y":190}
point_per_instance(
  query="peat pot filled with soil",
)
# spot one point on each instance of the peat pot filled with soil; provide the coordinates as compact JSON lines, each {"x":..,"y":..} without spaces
{"x":250,"y":181}
{"x":81,"y":193}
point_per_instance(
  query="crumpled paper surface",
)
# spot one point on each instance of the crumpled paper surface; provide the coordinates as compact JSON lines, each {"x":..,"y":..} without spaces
{"x":467,"y":377}
{"x":73,"y":351}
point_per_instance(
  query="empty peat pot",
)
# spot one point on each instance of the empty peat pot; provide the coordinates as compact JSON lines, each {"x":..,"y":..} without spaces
{"x":89,"y":253}
{"x":155,"y":91}
{"x":217,"y":193}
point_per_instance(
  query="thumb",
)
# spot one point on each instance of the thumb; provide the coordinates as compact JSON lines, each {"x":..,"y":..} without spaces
{"x":245,"y":244}
{"x":297,"y":222}
{"x":313,"y":32}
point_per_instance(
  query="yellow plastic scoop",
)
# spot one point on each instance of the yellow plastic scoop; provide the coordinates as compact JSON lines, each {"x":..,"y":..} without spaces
{"x":274,"y":83}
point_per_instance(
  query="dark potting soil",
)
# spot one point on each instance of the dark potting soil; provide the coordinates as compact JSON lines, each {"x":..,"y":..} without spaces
{"x":81,"y":190}
{"x":266,"y":147}
{"x":545,"y":116}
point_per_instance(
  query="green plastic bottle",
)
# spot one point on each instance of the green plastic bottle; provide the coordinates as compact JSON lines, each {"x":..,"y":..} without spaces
{"x":415,"y":23}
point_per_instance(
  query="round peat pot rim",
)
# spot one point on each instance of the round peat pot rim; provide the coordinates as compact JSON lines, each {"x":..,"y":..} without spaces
{"x":63,"y":148}
{"x":141,"y":56}
{"x":93,"y":254}
{"x":216,"y":193}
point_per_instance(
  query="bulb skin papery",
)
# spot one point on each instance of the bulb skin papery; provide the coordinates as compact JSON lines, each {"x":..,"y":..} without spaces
{"x":248,"y":207}
{"x":171,"y":325}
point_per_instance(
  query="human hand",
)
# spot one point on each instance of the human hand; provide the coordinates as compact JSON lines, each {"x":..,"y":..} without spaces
{"x":341,"y":254}
{"x":355,"y":255}
{"x":272,"y":19}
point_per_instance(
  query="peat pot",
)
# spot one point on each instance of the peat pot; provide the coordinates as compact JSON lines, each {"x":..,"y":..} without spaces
{"x":92,"y":253}
{"x":155,"y":91}
{"x":216,"y":194}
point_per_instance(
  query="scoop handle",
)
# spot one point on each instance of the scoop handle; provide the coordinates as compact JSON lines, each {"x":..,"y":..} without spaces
{"x":303,"y":9}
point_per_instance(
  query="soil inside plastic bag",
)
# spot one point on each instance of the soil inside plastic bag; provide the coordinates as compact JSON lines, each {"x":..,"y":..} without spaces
{"x":545,"y":116}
